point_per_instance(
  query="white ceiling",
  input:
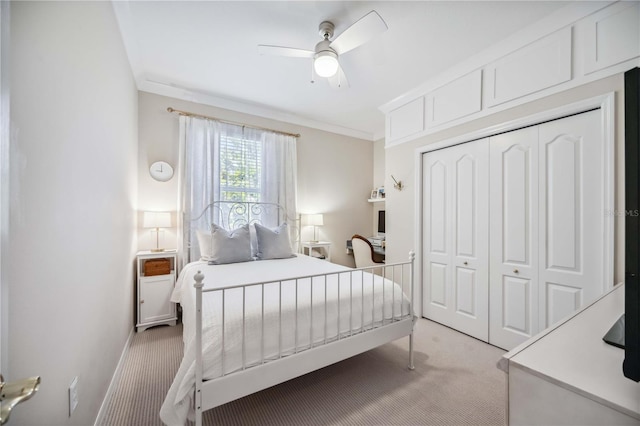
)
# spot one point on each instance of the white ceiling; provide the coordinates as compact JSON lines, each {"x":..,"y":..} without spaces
{"x":210,"y":48}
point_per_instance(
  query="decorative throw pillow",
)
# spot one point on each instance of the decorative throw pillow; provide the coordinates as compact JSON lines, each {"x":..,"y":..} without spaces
{"x":204,"y":243}
{"x":273,"y":243}
{"x":230,"y":247}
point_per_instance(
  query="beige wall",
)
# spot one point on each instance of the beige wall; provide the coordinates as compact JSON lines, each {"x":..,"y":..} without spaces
{"x":334,"y":171}
{"x":73,"y":190}
{"x":400,"y":161}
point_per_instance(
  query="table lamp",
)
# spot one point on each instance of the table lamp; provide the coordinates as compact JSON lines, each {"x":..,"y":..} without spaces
{"x":315,"y":220}
{"x":157,"y":220}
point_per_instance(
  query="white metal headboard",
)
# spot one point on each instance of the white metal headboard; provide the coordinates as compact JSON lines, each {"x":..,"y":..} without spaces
{"x":233,"y":214}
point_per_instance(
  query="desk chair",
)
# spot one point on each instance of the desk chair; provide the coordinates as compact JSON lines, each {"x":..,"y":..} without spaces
{"x":363,"y":252}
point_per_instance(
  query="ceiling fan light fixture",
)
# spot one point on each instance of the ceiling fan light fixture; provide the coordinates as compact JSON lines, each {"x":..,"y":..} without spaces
{"x":325,"y":63}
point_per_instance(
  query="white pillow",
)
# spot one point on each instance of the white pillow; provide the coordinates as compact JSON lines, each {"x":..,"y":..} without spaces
{"x":230,"y":247}
{"x":204,"y":243}
{"x":273,"y":243}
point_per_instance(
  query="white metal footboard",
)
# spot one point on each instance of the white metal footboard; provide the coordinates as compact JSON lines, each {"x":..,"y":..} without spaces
{"x":260,"y":368}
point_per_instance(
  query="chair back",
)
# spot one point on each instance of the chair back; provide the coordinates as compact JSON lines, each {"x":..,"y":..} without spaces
{"x":362,"y":251}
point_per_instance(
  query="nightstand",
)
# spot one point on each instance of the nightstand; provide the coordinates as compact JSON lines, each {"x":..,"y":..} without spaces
{"x":310,"y":245}
{"x":156,"y":280}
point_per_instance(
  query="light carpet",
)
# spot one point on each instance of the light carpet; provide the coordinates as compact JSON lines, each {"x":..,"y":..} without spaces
{"x":455,"y":382}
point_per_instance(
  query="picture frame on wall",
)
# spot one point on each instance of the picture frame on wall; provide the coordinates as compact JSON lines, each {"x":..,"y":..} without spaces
{"x":381,"y":192}
{"x":374,"y":194}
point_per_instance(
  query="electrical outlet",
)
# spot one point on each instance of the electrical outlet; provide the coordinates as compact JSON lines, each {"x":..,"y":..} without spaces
{"x":73,"y":395}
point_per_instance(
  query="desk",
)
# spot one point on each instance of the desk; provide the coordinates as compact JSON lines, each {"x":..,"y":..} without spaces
{"x":568,"y":375}
{"x":310,"y":245}
{"x":378,"y":251}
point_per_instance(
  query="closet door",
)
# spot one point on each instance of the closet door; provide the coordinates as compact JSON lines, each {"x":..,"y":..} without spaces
{"x":437,"y":250}
{"x":571,"y":209}
{"x":513,"y":294}
{"x":456,"y":237}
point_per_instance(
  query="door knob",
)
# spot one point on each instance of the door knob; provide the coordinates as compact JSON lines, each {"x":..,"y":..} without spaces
{"x":142,"y":301}
{"x":12,"y":394}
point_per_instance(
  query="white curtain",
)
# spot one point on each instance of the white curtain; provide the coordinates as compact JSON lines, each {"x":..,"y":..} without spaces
{"x":199,"y":175}
{"x":279,"y":177}
{"x":199,"y":184}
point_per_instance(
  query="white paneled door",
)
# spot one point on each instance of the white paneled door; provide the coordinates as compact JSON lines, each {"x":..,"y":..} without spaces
{"x":456,"y":247}
{"x":514,"y":229}
{"x":571,"y":214}
{"x":547,"y":227}
{"x":547,"y":207}
{"x":514,"y":237}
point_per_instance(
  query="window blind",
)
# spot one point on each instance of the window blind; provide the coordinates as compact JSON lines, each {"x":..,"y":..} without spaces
{"x":240,"y":169}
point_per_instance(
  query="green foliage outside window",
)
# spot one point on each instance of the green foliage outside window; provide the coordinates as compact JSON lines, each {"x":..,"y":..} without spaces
{"x":240,"y":169}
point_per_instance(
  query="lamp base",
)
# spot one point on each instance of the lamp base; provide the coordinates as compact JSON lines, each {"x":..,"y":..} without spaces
{"x":157,"y":250}
{"x":314,"y":241}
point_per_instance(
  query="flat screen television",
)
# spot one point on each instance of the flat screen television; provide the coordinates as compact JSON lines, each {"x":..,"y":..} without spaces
{"x":631,"y":365}
{"x":380,"y":223}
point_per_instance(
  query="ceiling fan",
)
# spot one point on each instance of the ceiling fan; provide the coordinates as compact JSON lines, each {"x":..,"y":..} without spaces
{"x":326,"y":53}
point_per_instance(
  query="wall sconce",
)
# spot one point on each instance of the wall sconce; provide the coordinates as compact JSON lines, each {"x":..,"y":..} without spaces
{"x":157,"y":220}
{"x":397,"y":184}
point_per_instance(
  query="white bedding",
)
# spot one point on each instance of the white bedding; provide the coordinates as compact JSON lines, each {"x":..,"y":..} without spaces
{"x":286,"y":313}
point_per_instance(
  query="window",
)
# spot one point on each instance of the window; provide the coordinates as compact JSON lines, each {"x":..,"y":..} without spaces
{"x":231,"y":163}
{"x":240,"y":169}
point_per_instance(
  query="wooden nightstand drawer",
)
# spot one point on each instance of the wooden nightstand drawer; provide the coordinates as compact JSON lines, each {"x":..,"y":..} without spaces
{"x":157,"y":267}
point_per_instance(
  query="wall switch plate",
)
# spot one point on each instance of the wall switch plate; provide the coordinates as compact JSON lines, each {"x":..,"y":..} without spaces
{"x":73,"y":395}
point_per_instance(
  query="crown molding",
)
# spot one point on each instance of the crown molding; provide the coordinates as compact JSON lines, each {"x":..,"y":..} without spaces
{"x":174,"y":91}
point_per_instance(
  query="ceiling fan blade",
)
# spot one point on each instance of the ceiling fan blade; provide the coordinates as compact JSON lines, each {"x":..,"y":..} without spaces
{"x":284,"y":51}
{"x":359,"y":32}
{"x":339,"y":80}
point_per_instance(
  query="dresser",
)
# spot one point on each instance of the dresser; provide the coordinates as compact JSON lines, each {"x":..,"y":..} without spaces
{"x":568,"y":375}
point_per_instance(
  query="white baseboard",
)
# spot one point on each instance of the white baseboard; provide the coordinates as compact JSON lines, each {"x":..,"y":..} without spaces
{"x":114,"y":380}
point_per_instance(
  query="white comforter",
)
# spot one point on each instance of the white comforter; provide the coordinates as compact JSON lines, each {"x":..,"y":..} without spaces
{"x":288,"y":322}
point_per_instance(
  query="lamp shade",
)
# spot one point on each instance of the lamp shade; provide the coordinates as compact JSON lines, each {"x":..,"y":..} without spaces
{"x":315,"y":219}
{"x":156,"y":220}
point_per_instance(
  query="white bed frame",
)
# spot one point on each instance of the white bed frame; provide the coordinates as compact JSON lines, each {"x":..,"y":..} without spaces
{"x":251,"y":379}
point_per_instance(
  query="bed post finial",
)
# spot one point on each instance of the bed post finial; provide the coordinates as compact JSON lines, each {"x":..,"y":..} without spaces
{"x":199,"y":277}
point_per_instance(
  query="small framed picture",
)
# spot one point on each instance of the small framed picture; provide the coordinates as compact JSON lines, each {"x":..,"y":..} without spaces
{"x":374,"y":194}
{"x":381,"y":192}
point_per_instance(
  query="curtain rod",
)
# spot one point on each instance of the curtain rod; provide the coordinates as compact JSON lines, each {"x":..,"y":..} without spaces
{"x":190,"y":114}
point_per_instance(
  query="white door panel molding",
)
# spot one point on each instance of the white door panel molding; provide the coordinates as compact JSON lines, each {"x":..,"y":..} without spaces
{"x":612,"y":36}
{"x":454,"y":100}
{"x":538,"y":66}
{"x":405,"y":120}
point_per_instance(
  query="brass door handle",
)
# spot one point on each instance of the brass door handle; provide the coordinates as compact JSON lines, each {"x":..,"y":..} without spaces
{"x":12,"y":394}
{"x":141,"y":302}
